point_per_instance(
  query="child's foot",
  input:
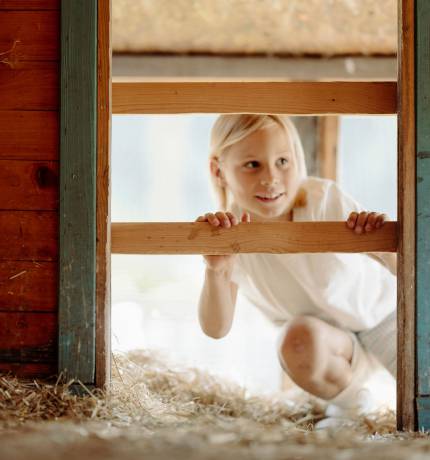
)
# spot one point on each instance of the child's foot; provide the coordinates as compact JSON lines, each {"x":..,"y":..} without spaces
{"x":334,"y":422}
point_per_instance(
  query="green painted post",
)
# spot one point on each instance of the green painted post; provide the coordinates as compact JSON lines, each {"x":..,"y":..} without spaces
{"x":77,"y":260}
{"x":422,"y":51}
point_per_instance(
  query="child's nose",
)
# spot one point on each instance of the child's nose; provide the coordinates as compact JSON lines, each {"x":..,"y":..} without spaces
{"x":271,"y":178}
{"x":267,"y":183}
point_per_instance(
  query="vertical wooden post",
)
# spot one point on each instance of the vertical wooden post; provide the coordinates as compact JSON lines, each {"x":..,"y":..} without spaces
{"x":103,"y":330}
{"x":406,"y":417}
{"x":327,"y":146}
{"x":77,"y":189}
{"x":422,"y":81}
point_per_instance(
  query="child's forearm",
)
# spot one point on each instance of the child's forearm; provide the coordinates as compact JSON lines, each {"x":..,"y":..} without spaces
{"x":388,"y":259}
{"x":216,"y":305}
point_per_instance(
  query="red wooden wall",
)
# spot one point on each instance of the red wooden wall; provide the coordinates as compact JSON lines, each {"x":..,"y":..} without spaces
{"x":29,"y":193}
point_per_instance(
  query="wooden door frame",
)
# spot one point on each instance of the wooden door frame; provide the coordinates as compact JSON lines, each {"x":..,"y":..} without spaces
{"x":84,"y":262}
{"x":94,"y":341}
{"x":406,"y":199}
{"x":78,"y":145}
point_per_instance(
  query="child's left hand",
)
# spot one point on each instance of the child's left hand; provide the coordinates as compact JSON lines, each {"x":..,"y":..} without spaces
{"x":365,"y":221}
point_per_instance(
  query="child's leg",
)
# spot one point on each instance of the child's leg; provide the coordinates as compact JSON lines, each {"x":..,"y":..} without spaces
{"x":334,"y":364}
{"x":317,"y":356}
{"x":381,"y":341}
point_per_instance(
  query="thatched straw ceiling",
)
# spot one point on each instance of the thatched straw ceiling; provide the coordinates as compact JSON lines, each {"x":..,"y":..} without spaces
{"x":321,"y":27}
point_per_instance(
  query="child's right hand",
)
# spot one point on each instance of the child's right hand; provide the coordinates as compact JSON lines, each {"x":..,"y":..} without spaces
{"x":226,"y":220}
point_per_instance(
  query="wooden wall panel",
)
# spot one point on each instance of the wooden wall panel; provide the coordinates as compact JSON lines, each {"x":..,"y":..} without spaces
{"x":29,"y":192}
{"x":28,"y":88}
{"x":29,"y":4}
{"x":29,"y":235}
{"x":29,"y":36}
{"x":28,"y":286}
{"x":29,"y":135}
{"x":30,"y":370}
{"x":28,"y":337}
{"x":29,"y":185}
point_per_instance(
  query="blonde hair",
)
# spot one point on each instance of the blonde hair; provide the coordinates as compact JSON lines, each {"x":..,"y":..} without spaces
{"x":231,"y":128}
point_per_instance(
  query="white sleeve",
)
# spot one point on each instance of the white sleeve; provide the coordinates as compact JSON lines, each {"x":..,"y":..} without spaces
{"x":237,"y":274}
{"x":338,"y":204}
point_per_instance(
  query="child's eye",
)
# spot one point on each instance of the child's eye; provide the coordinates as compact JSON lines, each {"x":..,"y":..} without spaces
{"x":251,"y":164}
{"x":283,"y":161}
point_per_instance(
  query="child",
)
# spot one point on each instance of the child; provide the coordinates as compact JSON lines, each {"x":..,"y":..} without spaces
{"x":337,"y":311}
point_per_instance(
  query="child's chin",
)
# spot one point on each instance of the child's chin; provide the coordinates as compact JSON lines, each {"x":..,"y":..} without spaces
{"x":270,"y":214}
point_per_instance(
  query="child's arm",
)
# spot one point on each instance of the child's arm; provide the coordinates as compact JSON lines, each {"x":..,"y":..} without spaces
{"x":217,"y":302}
{"x":218,"y":296}
{"x":368,"y":222}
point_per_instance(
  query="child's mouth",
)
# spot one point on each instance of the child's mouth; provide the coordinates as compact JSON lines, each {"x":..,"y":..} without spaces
{"x":268,"y":198}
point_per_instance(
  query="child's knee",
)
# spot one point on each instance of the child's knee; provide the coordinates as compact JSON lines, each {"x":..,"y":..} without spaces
{"x":301,"y":349}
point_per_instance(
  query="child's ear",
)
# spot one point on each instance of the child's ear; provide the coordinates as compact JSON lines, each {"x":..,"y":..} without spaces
{"x":216,"y":172}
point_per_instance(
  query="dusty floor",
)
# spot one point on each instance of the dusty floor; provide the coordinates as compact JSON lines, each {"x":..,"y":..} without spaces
{"x":154,"y":411}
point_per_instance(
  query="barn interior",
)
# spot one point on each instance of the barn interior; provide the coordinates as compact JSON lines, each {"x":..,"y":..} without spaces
{"x":160,"y":404}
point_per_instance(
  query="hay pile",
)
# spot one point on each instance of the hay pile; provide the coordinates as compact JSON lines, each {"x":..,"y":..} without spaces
{"x":155,"y":409}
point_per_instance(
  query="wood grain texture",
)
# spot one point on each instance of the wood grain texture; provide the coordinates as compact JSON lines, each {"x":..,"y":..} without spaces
{"x":27,"y":88}
{"x":103,"y":250}
{"x":422,"y":91}
{"x":30,"y":4}
{"x":29,"y":235}
{"x":30,"y":370}
{"x":78,"y":144}
{"x":28,"y":286}
{"x":201,"y":238}
{"x":28,"y":337}
{"x":29,"y":36}
{"x":29,"y":185}
{"x":28,"y":135}
{"x":406,"y":416}
{"x":300,"y":98}
{"x":328,"y":132}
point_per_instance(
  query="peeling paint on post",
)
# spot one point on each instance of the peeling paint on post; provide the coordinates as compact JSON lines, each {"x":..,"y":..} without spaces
{"x":78,"y":189}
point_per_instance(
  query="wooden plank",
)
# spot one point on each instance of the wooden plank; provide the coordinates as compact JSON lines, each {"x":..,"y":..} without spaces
{"x":29,"y":370}
{"x":288,"y":237}
{"x":422,"y":80}
{"x":29,"y":185}
{"x":28,"y":337}
{"x":27,"y":88}
{"x":294,"y":68}
{"x":217,"y":96}
{"x":103,"y":326}
{"x":29,"y":4}
{"x":29,"y":36}
{"x":28,"y":135}
{"x":78,"y":143}
{"x":29,"y":235}
{"x":328,"y":129}
{"x":406,"y":417}
{"x":28,"y":286}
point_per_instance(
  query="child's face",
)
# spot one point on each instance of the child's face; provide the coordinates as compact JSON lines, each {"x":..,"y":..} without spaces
{"x":261,"y":173}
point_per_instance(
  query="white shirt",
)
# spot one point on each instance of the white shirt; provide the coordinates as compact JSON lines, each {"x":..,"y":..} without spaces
{"x":353,"y":291}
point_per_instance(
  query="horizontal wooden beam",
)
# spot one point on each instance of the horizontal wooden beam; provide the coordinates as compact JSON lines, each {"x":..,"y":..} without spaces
{"x":285,"y":237}
{"x":146,"y":96}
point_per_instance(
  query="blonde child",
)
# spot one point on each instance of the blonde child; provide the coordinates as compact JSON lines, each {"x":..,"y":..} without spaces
{"x":337,"y":312}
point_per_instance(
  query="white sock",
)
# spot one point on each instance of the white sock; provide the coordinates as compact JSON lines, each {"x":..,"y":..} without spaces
{"x":359,"y":396}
